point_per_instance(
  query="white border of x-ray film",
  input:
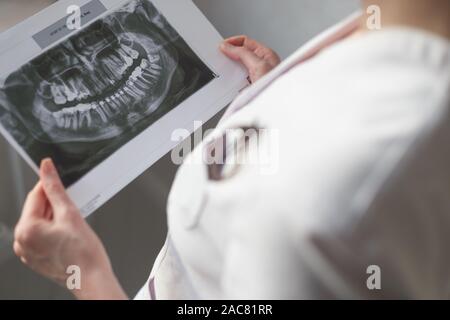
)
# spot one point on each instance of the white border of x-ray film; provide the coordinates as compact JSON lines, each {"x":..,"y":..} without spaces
{"x":99,"y":185}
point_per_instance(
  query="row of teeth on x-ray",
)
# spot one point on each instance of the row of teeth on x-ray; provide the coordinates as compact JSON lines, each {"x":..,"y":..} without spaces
{"x":115,"y":65}
{"x":134,"y":89}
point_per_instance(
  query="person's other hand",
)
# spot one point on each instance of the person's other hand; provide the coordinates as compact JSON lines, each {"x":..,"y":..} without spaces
{"x":257,"y":58}
{"x":52,"y":235}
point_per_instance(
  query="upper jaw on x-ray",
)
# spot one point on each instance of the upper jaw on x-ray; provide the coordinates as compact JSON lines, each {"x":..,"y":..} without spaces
{"x":99,"y":82}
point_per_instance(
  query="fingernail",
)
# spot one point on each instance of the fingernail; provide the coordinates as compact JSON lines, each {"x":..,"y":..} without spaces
{"x":47,"y":166}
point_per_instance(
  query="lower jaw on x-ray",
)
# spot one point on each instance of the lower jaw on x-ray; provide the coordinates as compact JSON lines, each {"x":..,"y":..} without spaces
{"x":86,"y":97}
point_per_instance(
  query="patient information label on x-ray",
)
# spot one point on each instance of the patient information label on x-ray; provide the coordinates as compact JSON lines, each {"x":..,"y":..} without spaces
{"x":60,"y":29}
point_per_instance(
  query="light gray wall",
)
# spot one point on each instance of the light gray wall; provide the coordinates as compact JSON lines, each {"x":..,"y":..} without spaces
{"x":281,"y":24}
{"x":133,"y":224}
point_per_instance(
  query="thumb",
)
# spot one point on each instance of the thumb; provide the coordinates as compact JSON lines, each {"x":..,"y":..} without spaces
{"x":53,"y":187}
{"x":248,"y":58}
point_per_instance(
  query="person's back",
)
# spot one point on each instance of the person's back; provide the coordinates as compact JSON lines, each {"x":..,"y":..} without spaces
{"x":361,"y":179}
{"x":363,"y":173}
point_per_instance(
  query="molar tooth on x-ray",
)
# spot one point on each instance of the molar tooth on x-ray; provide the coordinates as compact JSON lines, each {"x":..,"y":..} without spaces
{"x":103,"y":85}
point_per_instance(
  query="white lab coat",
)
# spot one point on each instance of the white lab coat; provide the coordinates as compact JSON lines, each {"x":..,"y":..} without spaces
{"x":362,"y":182}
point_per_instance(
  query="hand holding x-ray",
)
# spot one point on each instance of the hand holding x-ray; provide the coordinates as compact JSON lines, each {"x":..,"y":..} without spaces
{"x":258,"y":59}
{"x":51,"y":237}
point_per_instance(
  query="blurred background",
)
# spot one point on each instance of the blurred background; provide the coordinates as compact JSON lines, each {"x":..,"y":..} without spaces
{"x":133,"y":224}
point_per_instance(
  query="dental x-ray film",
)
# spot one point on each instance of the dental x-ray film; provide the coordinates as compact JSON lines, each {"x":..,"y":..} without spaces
{"x":86,"y":97}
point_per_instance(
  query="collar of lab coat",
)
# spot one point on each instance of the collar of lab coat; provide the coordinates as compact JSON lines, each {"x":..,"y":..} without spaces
{"x":311,"y":48}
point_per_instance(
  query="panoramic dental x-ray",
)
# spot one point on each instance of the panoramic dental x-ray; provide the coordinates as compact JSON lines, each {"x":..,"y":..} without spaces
{"x":84,"y":98}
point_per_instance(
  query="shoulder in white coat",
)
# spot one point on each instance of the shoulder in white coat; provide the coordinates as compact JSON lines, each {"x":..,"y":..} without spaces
{"x":362,"y":175}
